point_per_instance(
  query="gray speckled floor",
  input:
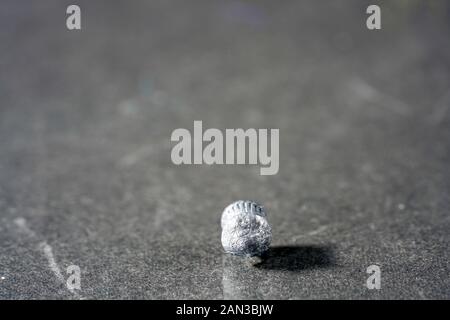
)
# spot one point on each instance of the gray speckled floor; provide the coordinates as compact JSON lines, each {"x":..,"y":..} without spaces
{"x":85,"y":170}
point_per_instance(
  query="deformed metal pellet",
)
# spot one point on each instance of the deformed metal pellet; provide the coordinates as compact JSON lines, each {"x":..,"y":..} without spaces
{"x":245,"y":230}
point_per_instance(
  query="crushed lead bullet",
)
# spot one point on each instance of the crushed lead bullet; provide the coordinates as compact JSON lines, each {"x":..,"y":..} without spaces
{"x":245,"y":230}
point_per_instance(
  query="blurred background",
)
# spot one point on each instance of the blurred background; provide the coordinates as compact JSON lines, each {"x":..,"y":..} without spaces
{"x":86,"y":177}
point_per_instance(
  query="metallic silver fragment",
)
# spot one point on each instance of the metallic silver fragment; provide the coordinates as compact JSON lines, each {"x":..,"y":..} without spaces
{"x":245,"y":230}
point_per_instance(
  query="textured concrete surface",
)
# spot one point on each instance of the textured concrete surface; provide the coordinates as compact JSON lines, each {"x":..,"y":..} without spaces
{"x":85,"y":170}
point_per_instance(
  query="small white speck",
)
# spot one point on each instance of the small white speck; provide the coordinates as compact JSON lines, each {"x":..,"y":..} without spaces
{"x":2,"y":278}
{"x":401,"y":206}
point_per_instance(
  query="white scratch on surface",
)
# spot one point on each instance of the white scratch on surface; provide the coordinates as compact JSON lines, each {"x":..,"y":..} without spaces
{"x":366,"y":92}
{"x":47,"y":251}
{"x":317,"y":231}
{"x":22,"y":224}
{"x":311,"y":233}
{"x":134,"y":157}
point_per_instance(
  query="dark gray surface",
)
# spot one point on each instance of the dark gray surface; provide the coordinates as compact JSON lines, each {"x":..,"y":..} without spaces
{"x":85,"y":170}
